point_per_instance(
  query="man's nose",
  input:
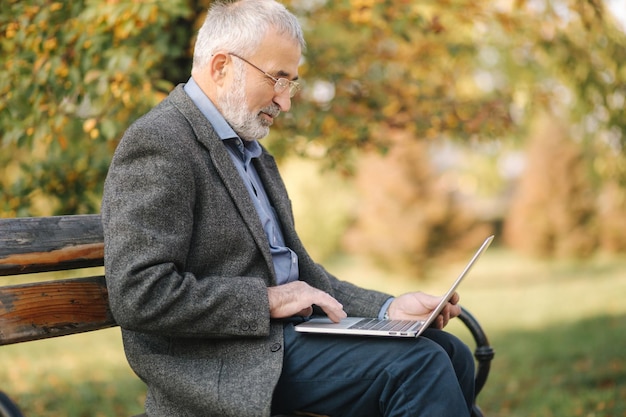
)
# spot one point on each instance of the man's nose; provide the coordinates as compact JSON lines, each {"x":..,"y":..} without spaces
{"x":283,"y":100}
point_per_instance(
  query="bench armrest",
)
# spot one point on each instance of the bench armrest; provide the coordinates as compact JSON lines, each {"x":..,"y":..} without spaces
{"x":8,"y":407}
{"x":484,"y":353}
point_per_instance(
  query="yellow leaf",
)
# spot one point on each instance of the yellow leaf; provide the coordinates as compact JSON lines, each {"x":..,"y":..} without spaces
{"x":63,"y":142}
{"x":62,"y":71}
{"x":89,"y":125}
{"x":12,"y":28}
{"x":92,"y":75}
{"x":50,"y":44}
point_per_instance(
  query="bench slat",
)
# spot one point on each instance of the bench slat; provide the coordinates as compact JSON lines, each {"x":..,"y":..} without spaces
{"x":54,"y":308}
{"x":37,"y":244}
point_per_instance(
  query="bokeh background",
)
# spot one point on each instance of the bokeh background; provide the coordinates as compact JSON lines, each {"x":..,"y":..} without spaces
{"x":423,"y":126}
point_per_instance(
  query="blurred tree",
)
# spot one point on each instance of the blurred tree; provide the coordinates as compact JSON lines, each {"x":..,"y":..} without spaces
{"x":73,"y":75}
{"x":408,"y":215}
{"x":384,"y":79}
{"x":553,"y":212}
{"x":461,"y":70}
{"x":578,"y":60}
{"x":373,"y":65}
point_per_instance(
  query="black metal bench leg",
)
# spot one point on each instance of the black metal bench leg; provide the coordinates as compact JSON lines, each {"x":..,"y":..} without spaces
{"x":484,"y":353}
{"x":8,"y":407}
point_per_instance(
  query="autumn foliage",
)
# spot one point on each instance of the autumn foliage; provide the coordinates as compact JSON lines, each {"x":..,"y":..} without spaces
{"x":385,"y":83}
{"x":73,"y":76}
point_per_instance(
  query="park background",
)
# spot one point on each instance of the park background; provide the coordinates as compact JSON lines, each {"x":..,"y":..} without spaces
{"x":423,"y":126}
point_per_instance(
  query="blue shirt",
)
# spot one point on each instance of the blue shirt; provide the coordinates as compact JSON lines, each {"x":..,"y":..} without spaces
{"x":242,"y":152}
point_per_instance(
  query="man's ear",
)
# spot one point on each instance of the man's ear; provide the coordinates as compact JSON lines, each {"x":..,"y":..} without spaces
{"x":218,"y":67}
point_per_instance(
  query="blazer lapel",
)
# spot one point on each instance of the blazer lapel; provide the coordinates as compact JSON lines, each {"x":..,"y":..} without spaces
{"x":228,"y":173}
{"x":277,"y":193}
{"x":274,"y":186}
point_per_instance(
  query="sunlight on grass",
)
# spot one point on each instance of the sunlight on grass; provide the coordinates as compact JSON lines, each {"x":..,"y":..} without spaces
{"x":72,"y":376}
{"x":575,"y":369}
{"x":506,"y":291}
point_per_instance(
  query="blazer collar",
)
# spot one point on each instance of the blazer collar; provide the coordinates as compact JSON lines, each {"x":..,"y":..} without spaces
{"x":277,"y":193}
{"x":206,"y":135}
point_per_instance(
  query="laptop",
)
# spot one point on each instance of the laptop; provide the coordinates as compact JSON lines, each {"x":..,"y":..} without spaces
{"x":363,"y":326}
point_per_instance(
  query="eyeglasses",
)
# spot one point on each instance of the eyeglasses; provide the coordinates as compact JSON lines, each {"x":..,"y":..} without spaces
{"x":280,"y":84}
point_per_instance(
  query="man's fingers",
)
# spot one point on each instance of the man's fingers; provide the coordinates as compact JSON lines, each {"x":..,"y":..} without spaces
{"x":455,"y":298}
{"x":335,"y":315}
{"x":297,"y":298}
{"x":332,"y":307}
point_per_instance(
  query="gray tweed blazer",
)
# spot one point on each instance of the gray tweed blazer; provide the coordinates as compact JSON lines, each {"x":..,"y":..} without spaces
{"x":188,"y":263}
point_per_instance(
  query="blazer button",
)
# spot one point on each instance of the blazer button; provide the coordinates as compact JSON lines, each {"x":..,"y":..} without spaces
{"x":245,"y":327}
{"x":275,"y":347}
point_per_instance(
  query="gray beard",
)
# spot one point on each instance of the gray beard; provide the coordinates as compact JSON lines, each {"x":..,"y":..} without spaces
{"x":247,"y":125}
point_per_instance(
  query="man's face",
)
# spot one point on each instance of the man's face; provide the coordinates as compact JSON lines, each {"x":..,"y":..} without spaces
{"x":249,"y":124}
{"x":250,"y":103}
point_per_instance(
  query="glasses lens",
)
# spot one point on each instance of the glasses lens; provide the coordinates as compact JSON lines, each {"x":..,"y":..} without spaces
{"x":281,"y":85}
{"x":293,"y":88}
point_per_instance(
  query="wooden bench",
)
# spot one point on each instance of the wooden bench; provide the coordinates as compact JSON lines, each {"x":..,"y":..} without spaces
{"x":39,"y":310}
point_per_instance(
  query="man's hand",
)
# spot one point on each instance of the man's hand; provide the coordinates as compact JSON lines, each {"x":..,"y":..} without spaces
{"x":417,"y":306}
{"x":297,"y":299}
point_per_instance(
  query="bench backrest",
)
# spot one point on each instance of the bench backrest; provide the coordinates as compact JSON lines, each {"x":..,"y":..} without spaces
{"x":56,"y":307}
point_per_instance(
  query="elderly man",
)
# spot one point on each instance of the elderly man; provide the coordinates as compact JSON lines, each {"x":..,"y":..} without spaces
{"x":207,"y":274}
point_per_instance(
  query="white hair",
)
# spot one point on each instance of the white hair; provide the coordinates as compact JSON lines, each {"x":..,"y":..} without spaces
{"x":240,"y":26}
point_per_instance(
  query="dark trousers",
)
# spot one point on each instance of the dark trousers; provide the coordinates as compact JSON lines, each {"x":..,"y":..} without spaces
{"x":344,"y":376}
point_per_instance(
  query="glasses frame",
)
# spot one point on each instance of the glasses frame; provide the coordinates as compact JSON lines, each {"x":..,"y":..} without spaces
{"x":280,"y":84}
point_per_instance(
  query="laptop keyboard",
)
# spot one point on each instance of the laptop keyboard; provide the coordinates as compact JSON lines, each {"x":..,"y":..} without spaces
{"x":386,"y":325}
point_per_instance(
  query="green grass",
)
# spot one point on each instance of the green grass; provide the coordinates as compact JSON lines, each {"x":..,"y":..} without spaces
{"x":576,"y":369}
{"x":558,"y":329}
{"x":74,"y":376}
